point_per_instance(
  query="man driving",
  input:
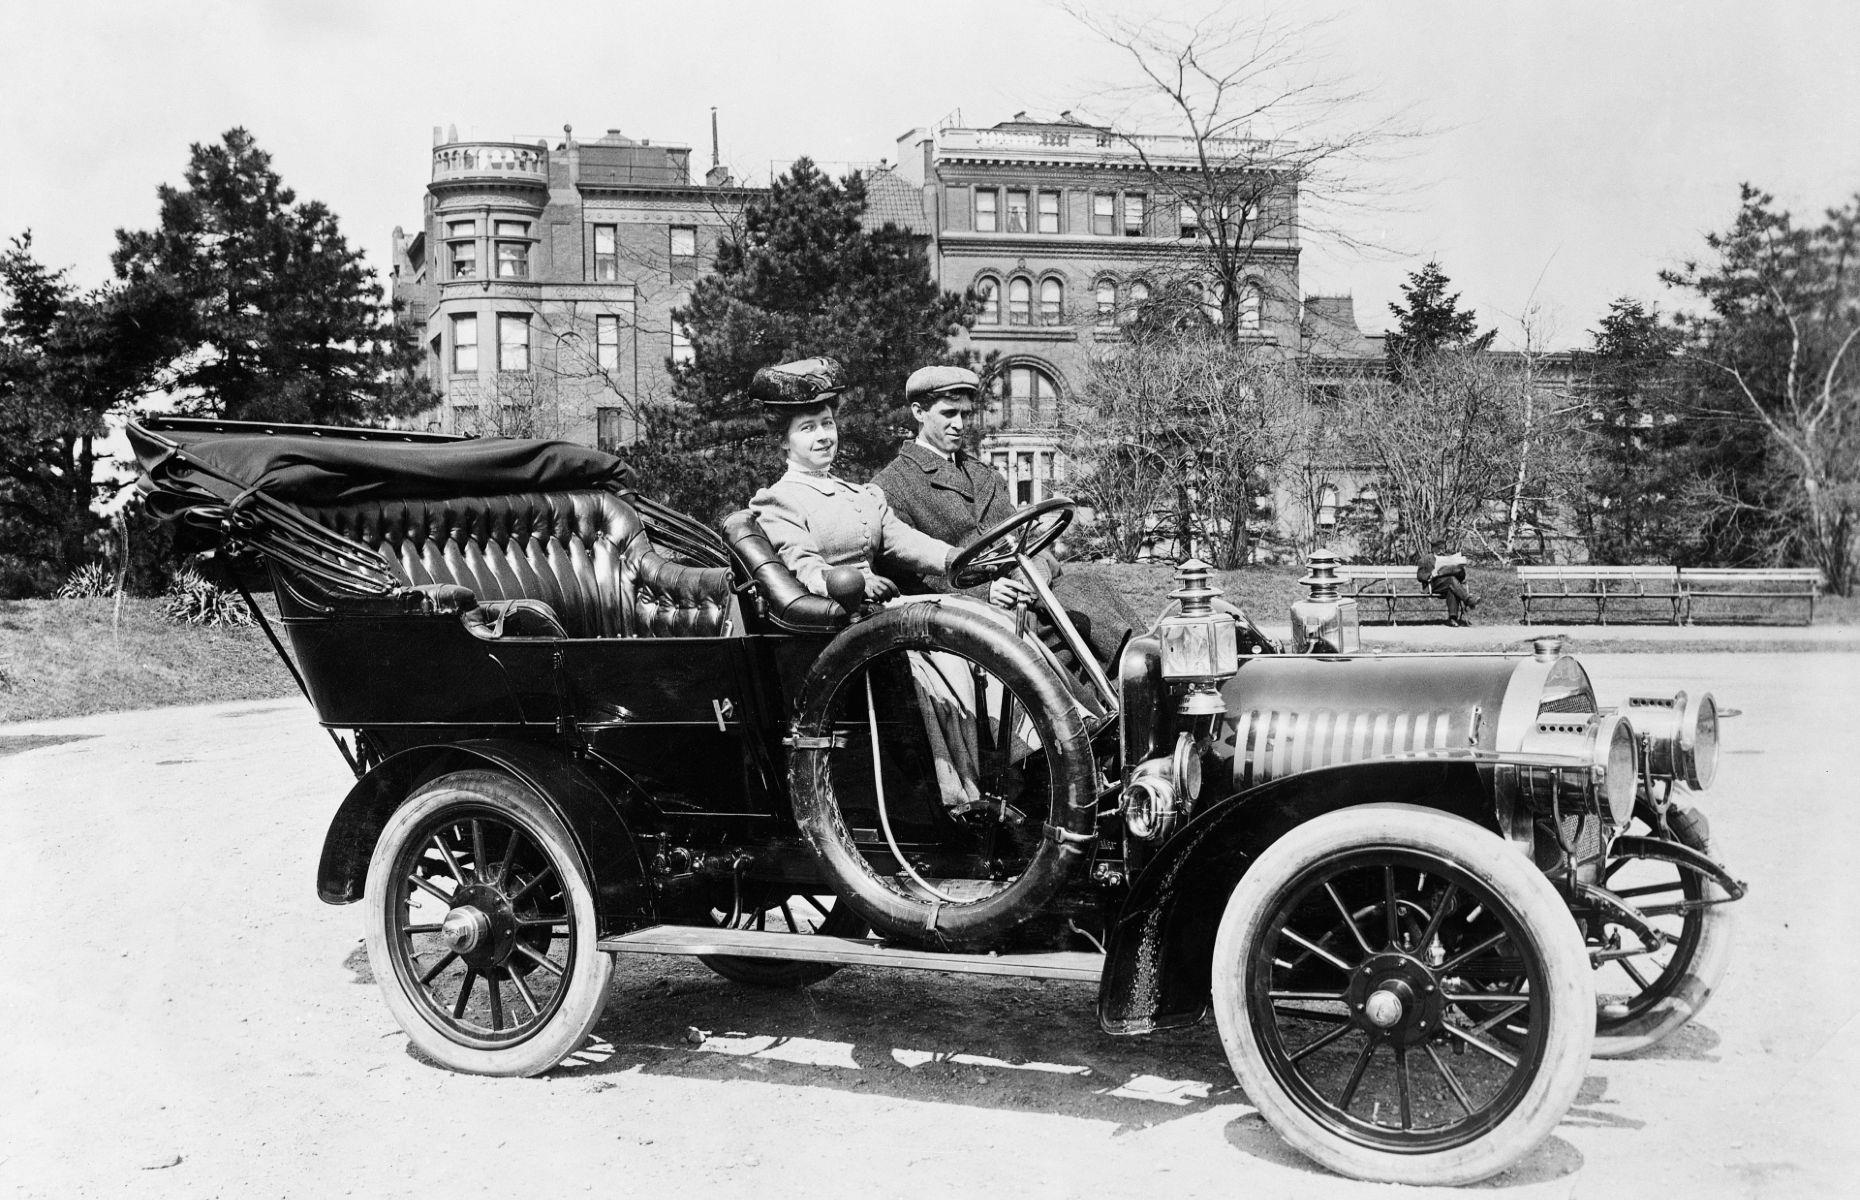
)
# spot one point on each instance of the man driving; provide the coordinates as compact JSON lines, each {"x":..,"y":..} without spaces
{"x":936,"y":486}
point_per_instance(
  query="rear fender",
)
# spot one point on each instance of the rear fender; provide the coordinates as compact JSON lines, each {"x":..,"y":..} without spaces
{"x":587,"y":796}
{"x":1159,"y":953}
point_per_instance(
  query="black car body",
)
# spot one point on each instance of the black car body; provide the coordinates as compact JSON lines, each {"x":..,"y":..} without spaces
{"x":1416,"y":892}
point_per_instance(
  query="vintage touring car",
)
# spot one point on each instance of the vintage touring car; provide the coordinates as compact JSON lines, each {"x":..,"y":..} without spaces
{"x":1417,"y":892}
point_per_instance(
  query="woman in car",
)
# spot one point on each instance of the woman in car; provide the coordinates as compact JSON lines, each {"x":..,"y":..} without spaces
{"x":815,"y":519}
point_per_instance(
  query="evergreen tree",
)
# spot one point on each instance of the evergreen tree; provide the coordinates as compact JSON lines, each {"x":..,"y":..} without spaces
{"x":67,"y":361}
{"x":286,"y":322}
{"x":802,"y":277}
{"x":1429,"y":322}
{"x":1778,"y":358}
{"x":1641,"y":502}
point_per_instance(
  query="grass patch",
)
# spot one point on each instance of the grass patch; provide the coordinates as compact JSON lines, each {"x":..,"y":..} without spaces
{"x":69,"y":658}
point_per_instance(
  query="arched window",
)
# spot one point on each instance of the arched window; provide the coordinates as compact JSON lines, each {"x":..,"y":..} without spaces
{"x":988,"y":290}
{"x":1107,"y":301}
{"x":1027,"y":395}
{"x":1020,"y":302}
{"x":1249,"y":306}
{"x":1052,"y":301}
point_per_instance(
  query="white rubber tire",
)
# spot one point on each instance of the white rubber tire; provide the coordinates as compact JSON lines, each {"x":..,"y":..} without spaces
{"x":584,"y":994}
{"x":1510,"y":878}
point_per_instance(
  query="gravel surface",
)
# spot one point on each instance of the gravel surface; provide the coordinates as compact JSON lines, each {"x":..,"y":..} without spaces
{"x":189,"y":1021}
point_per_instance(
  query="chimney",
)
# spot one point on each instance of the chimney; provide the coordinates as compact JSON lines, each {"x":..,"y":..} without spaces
{"x":713,"y":138}
{"x":439,"y":136}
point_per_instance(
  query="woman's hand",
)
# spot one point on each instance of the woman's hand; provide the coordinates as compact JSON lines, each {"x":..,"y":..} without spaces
{"x":878,"y":589}
{"x":1008,"y":592}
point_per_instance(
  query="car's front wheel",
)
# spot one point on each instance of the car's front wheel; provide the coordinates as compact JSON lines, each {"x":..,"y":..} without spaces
{"x":1351,"y":985}
{"x":481,"y":927}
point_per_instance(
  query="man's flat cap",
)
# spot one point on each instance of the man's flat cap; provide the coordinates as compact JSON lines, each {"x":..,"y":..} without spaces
{"x":800,"y":384}
{"x":927,"y":383}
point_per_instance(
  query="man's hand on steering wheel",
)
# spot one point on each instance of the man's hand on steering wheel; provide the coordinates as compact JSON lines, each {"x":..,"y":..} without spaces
{"x":1009,"y":592}
{"x":999,"y":549}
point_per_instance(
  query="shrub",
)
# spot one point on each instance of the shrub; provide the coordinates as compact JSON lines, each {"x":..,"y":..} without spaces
{"x":192,"y":599}
{"x":91,"y":579}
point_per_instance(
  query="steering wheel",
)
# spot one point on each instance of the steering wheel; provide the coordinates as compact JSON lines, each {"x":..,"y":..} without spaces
{"x":1028,"y":532}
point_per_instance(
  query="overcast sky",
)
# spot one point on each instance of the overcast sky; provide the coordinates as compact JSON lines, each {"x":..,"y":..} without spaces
{"x":1578,"y":147}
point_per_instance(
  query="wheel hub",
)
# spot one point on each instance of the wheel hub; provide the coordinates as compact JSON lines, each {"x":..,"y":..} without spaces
{"x":1397,"y":997}
{"x":465,"y":928}
{"x":481,"y":926}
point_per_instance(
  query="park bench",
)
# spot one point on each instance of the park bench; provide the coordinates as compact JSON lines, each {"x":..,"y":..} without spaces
{"x":1387,"y":585}
{"x":1771,"y":586}
{"x":1601,"y":586}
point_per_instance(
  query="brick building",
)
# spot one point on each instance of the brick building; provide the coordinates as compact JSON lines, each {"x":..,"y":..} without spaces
{"x":1064,"y":229}
{"x":545,"y":275}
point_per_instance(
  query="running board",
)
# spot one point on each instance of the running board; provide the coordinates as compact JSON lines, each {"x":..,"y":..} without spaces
{"x":688,"y":940}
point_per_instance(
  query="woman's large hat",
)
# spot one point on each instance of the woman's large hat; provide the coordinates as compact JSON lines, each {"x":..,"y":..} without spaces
{"x":802,"y":384}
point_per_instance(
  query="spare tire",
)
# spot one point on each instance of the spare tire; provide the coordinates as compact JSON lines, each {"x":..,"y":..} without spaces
{"x":894,"y":904}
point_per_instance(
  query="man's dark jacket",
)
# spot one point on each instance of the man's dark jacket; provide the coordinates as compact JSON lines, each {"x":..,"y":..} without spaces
{"x":956,"y":499}
{"x":949,"y":499}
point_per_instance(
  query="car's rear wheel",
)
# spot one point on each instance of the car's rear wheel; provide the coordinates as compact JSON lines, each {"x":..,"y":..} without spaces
{"x":818,"y":913}
{"x":1346,"y":985}
{"x":481,"y":927}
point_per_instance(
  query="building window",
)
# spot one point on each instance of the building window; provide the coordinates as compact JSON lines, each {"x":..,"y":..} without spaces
{"x":610,"y":428}
{"x":989,"y":292}
{"x":462,"y":248}
{"x":1049,"y":212}
{"x":1052,"y":301}
{"x":606,"y":253}
{"x":1133,"y":214}
{"x":986,"y":200}
{"x":607,"y":343}
{"x":1190,"y":223}
{"x":513,"y":342}
{"x":1104,"y":213}
{"x":513,"y":257}
{"x":1327,"y":507}
{"x":464,"y":345}
{"x":1028,"y":396}
{"x":684,"y":245}
{"x":1016,"y":210}
{"x":465,"y":420}
{"x":1107,"y":302}
{"x":1249,"y":307}
{"x":1020,"y":302}
{"x":682,"y":353}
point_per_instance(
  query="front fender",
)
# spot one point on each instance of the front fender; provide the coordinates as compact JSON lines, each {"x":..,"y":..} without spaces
{"x":1159,"y":952}
{"x":586,"y":795}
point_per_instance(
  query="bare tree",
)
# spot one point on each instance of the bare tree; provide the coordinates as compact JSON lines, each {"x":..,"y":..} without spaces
{"x":1182,"y":419}
{"x":1238,"y":133}
{"x":1469,"y":445}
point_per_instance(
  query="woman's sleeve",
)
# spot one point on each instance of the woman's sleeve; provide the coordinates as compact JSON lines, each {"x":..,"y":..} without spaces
{"x":908,"y":547}
{"x":787,"y":528}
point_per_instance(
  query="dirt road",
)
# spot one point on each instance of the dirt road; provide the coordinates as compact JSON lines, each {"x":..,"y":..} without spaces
{"x":187,"y":1020}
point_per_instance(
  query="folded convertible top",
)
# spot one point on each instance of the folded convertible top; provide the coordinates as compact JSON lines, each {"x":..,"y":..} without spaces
{"x":312,"y":465}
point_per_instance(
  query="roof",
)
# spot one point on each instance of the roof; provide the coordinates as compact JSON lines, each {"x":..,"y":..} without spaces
{"x":1330,"y":329}
{"x":889,"y":198}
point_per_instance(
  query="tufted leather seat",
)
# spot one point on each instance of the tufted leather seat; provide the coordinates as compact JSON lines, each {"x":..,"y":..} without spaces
{"x":585,"y":554}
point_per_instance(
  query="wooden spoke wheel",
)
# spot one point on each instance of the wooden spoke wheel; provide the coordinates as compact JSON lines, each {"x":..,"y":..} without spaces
{"x":1346,"y":984}
{"x":481,"y":927}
